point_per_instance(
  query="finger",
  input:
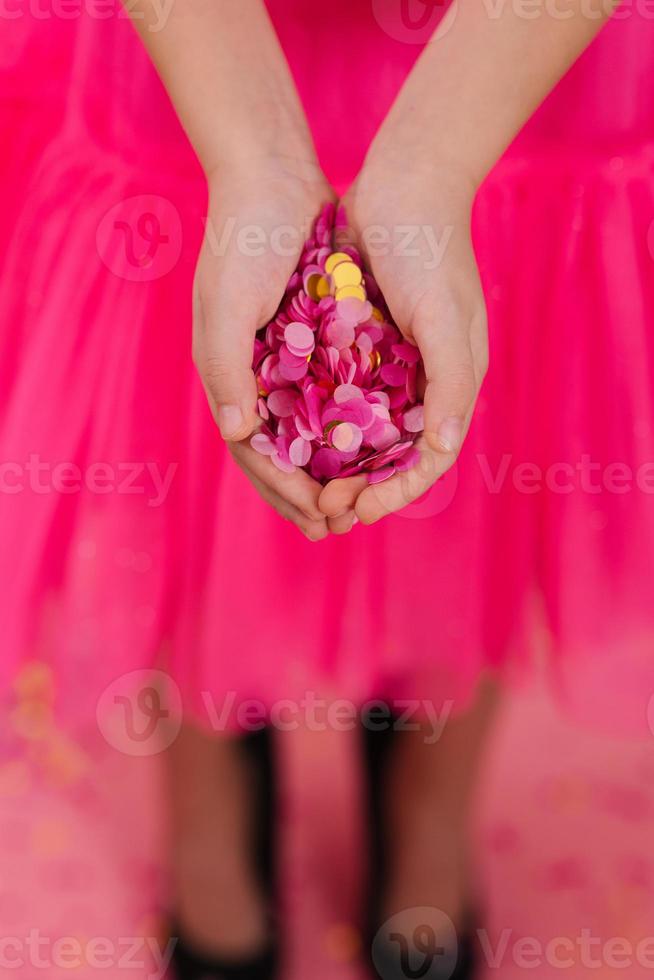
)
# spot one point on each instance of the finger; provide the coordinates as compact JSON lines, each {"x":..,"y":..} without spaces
{"x":223,"y":345}
{"x":339,"y":496}
{"x":381,"y":499}
{"x":342,"y":524}
{"x":298,"y":488}
{"x":313,"y":530}
{"x":452,"y":382}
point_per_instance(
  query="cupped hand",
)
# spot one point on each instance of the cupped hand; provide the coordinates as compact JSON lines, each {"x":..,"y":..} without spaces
{"x":258,"y":219}
{"x":413,"y":230}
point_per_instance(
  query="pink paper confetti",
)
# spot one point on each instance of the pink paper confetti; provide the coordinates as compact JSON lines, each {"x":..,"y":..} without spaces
{"x":337,"y":380}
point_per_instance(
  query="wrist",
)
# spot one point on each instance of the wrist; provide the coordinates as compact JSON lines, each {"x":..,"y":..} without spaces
{"x":271,"y":174}
{"x":417,"y":181}
{"x":251,"y":139}
{"x":407,"y":158}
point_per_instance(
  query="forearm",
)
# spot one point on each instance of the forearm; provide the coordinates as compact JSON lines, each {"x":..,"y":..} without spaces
{"x":222,"y":65}
{"x":475,"y":86}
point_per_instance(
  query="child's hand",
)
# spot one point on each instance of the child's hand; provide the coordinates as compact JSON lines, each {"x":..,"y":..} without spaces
{"x":259,"y":218}
{"x":414,"y":232}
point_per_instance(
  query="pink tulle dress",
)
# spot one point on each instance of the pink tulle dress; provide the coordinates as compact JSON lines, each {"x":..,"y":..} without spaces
{"x":129,"y":538}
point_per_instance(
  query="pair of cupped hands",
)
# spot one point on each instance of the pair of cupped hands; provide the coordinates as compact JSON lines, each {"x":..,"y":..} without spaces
{"x":410,"y":220}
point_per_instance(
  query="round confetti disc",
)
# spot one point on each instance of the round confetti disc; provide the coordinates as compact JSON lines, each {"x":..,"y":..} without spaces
{"x":351,"y":292}
{"x":299,"y":337}
{"x":312,"y":286}
{"x":335,"y":259}
{"x":347,"y":274}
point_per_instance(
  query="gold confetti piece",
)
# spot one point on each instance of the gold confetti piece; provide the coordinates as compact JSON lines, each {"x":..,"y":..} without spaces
{"x":347,"y":274}
{"x":334,"y":259}
{"x":312,"y":286}
{"x":351,"y":292}
{"x":377,"y":314}
{"x":322,"y":288}
{"x":375,"y":359}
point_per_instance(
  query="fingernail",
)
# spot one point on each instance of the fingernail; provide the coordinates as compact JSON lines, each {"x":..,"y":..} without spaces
{"x":230,"y":420}
{"x":355,"y":520}
{"x":450,"y":435}
{"x":313,"y":536}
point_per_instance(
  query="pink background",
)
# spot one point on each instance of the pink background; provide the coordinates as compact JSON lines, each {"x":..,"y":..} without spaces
{"x":564,"y":831}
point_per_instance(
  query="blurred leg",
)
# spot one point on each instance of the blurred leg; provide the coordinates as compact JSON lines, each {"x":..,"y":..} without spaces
{"x":428,"y":798}
{"x":220,"y":904}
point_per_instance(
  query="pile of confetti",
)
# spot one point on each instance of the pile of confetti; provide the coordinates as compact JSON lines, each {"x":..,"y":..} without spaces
{"x":336,"y":379}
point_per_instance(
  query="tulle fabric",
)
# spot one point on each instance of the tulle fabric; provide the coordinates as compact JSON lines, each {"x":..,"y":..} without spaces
{"x":203,"y":577}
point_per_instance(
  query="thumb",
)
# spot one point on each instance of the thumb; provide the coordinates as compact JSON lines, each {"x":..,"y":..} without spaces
{"x":223,"y":348}
{"x":452,"y":384}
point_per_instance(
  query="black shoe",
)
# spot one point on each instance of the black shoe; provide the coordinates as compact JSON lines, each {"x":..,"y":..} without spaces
{"x":405,"y":946}
{"x":190,"y":962}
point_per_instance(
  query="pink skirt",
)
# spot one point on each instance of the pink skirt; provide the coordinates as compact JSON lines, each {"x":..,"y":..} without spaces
{"x":129,"y":537}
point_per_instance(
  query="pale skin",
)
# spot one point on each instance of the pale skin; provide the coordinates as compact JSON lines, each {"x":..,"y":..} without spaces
{"x":467,"y":97}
